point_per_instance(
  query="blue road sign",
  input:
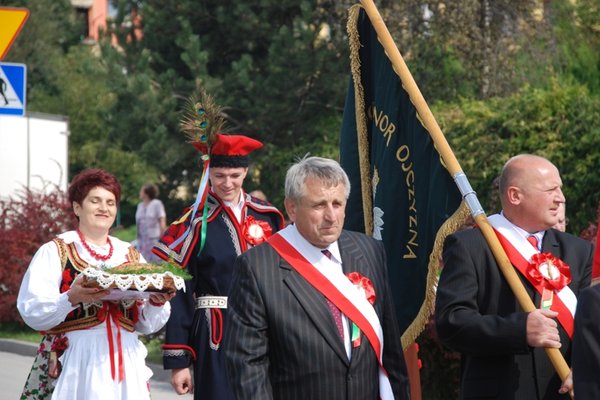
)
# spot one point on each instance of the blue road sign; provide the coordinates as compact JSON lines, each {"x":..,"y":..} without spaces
{"x":13,"y":79}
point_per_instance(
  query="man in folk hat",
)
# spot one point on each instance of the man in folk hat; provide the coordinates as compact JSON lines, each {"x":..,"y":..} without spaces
{"x":206,"y":240}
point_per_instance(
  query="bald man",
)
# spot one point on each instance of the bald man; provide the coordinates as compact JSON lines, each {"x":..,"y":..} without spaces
{"x":502,"y":347}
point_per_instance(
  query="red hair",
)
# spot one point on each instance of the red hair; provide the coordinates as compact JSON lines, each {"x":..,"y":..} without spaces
{"x":89,"y":179}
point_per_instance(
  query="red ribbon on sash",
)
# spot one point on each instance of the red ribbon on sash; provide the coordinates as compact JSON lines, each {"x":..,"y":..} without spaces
{"x":328,"y":289}
{"x":365,"y":286}
{"x":110,"y":311}
{"x":532,"y":273}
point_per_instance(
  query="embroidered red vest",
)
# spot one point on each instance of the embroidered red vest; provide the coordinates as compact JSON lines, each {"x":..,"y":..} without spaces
{"x":92,"y":314}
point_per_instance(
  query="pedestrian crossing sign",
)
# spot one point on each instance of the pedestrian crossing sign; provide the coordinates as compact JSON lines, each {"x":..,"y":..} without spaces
{"x":12,"y":88}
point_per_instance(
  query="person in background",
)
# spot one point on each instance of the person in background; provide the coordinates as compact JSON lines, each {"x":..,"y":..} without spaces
{"x":561,"y":225}
{"x":259,"y":194}
{"x":310,"y":311}
{"x":502,"y":347}
{"x":227,"y":224}
{"x":102,"y":357}
{"x":151,"y":221}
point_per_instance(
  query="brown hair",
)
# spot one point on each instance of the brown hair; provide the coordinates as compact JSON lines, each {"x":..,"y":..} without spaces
{"x":151,"y":190}
{"x":91,"y":178}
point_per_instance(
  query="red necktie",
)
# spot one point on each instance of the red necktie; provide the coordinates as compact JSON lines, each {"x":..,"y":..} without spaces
{"x":335,"y":312}
{"x":533,"y":240}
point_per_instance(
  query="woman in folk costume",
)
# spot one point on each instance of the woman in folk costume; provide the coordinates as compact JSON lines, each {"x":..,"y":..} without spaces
{"x":224,"y":222}
{"x":100,"y":356}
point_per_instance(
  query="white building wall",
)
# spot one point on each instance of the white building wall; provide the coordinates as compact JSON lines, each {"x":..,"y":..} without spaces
{"x":33,"y":153}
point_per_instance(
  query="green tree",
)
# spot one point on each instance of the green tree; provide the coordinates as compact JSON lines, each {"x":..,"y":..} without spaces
{"x":578,"y":36}
{"x":557,"y":123}
{"x":51,"y":29}
{"x":278,"y":69}
{"x":69,"y":78}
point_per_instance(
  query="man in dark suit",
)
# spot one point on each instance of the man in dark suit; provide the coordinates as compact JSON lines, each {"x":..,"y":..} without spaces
{"x":311,"y":310}
{"x":502,"y":347}
{"x":586,"y":345}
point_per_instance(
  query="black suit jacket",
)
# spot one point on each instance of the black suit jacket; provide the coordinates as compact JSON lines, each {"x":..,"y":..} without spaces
{"x":281,"y":341}
{"x":586,"y":345}
{"x":477,"y":315}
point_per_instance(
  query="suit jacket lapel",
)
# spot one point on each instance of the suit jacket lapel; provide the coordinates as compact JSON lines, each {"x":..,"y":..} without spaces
{"x":550,"y":244}
{"x":315,"y":306}
{"x":351,"y":255}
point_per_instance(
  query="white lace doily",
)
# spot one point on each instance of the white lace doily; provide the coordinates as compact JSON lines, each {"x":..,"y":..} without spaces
{"x":139,"y":282}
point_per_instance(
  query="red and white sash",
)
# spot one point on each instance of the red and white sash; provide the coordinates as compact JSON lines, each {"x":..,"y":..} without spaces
{"x":520,"y":252}
{"x":336,"y":287}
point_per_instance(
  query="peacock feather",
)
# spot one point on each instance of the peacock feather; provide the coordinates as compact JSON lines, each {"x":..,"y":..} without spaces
{"x":201,"y":121}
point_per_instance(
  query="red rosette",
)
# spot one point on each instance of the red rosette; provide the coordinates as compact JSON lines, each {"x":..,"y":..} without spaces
{"x":550,"y":272}
{"x":256,"y":231}
{"x":364,"y":283}
{"x":59,"y":344}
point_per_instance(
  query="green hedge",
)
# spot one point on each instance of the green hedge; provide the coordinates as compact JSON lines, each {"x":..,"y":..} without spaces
{"x":559,"y":123}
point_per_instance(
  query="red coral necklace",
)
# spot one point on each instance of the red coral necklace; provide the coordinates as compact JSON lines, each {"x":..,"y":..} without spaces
{"x":92,"y":252}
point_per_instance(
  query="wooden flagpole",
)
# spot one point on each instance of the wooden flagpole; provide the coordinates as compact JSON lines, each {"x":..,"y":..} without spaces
{"x":449,"y":159}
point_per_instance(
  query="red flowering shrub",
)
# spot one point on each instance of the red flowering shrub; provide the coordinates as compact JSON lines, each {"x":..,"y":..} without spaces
{"x":27,"y":221}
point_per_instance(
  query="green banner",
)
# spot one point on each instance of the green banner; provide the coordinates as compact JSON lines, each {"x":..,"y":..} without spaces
{"x":401,"y":192}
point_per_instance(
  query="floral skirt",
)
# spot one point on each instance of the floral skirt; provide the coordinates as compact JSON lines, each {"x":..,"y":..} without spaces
{"x":87,"y":368}
{"x":39,"y":385}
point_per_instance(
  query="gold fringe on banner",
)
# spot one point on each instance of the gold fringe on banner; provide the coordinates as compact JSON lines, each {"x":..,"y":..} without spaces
{"x":451,"y":225}
{"x":361,"y":119}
